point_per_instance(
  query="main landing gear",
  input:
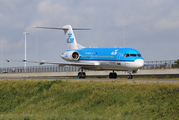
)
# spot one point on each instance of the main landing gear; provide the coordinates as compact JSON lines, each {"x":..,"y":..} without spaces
{"x":113,"y":75}
{"x":81,"y":75}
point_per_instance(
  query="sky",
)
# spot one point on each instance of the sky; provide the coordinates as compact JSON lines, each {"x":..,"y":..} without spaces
{"x":152,"y":27}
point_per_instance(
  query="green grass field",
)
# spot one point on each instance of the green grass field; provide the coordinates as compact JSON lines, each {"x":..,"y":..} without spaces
{"x":69,"y":100}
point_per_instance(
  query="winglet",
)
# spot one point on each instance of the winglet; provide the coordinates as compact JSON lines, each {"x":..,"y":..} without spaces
{"x":7,"y":60}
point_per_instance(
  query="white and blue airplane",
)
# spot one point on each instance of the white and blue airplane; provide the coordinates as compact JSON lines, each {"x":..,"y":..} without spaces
{"x":114,"y":59}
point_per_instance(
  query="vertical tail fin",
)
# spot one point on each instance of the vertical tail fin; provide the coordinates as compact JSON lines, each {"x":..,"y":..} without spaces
{"x":70,"y":37}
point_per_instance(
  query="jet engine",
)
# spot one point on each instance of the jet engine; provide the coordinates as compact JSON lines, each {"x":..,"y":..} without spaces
{"x":71,"y":56}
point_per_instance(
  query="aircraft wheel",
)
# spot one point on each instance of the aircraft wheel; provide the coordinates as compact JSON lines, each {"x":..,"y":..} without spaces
{"x":112,"y":75}
{"x":129,"y":77}
{"x":84,"y":75}
{"x":81,"y":75}
{"x":115,"y":75}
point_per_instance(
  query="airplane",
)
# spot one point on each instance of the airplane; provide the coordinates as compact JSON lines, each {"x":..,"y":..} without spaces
{"x":114,"y":59}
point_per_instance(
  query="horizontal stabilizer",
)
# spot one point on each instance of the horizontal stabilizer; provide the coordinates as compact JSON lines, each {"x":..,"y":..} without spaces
{"x":62,"y":28}
{"x":69,"y":35}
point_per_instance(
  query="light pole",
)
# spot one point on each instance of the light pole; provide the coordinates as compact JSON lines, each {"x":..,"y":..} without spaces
{"x":2,"y":53}
{"x":25,"y":49}
{"x":36,"y":48}
{"x":124,"y":35}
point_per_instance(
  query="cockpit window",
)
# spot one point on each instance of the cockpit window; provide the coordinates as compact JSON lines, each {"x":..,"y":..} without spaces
{"x":133,"y":55}
{"x":139,"y":55}
{"x":126,"y":55}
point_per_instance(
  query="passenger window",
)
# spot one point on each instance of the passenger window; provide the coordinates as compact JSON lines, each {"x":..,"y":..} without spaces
{"x":133,"y":55}
{"x":139,"y":55}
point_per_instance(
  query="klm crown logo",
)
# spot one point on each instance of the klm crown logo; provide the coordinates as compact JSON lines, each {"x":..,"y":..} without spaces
{"x":114,"y":52}
{"x":70,"y":40}
{"x":69,"y":34}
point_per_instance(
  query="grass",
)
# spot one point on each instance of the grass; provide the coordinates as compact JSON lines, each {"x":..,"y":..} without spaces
{"x":35,"y":99}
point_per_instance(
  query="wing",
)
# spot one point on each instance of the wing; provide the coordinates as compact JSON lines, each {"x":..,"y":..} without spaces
{"x":146,"y":64}
{"x":57,"y":63}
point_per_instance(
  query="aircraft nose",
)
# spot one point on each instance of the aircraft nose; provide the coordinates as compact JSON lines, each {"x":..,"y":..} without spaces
{"x":139,"y":63}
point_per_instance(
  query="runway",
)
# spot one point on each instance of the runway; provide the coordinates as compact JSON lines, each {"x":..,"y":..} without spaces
{"x":102,"y":79}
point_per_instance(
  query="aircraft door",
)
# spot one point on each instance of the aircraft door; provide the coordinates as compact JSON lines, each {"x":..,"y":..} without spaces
{"x":118,"y":56}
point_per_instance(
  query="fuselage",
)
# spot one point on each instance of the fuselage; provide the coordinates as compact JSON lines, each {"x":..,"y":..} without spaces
{"x":107,"y":58}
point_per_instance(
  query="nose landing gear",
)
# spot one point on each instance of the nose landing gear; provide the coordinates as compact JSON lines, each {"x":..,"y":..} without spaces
{"x":130,"y":76}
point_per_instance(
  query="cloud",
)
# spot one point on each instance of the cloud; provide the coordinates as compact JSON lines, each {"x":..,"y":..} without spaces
{"x":52,"y":12}
{"x":12,"y":48}
{"x":32,"y":30}
{"x":1,"y":15}
{"x":155,"y":3}
{"x":89,"y":10}
{"x":171,"y":21}
{"x":11,"y":5}
{"x":148,"y":22}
